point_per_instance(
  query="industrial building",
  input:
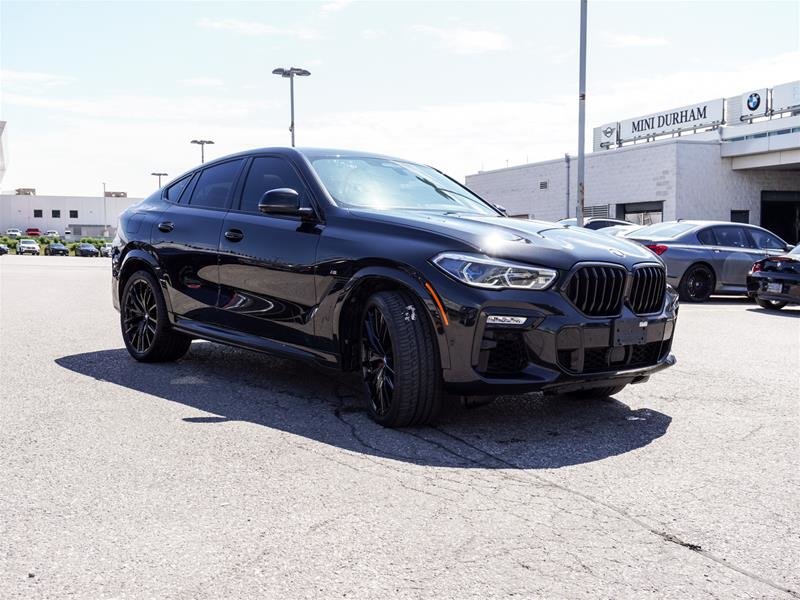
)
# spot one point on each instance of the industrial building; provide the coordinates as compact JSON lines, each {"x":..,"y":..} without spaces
{"x":734,"y":159}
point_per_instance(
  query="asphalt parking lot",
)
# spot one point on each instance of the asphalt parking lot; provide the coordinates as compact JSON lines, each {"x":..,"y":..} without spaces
{"x":235,"y":475}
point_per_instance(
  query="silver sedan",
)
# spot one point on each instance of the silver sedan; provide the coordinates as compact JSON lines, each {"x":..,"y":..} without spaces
{"x":708,"y":257}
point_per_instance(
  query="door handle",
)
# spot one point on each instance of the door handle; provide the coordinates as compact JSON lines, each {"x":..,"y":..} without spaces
{"x":166,"y":226}
{"x":234,"y":235}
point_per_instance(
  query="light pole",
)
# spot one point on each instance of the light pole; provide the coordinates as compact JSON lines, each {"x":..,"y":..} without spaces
{"x":290,"y":75}
{"x":159,"y":175}
{"x":202,"y":148}
{"x":105,"y":213}
{"x":581,"y":113}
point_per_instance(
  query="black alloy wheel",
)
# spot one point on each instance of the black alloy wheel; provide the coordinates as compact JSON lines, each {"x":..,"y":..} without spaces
{"x":770,"y":304}
{"x":399,"y":361}
{"x":141,"y":316}
{"x":697,"y":284}
{"x":145,"y":326}
{"x":377,"y":360}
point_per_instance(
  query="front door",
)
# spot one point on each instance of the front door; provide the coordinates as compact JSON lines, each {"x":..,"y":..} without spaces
{"x":266,"y":268}
{"x":736,"y":253}
{"x":186,"y":239}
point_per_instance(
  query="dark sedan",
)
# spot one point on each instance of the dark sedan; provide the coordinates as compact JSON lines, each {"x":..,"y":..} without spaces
{"x":86,"y":250}
{"x":375,"y":264}
{"x":774,"y":282}
{"x":56,"y":249}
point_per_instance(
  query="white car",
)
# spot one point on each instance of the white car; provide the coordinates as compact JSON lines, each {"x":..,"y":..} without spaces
{"x":52,"y":233}
{"x":27,"y":246}
{"x":13,"y":233}
{"x":105,"y":249}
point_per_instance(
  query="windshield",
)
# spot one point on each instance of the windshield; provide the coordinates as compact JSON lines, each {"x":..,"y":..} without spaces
{"x":662,"y":230}
{"x":384,"y":184}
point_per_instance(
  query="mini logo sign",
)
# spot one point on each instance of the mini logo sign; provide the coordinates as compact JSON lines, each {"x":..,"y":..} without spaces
{"x":616,"y":252}
{"x":754,"y":101}
{"x":608,"y":131}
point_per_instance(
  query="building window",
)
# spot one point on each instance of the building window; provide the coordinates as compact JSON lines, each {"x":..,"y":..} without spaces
{"x":740,"y":216}
{"x":73,"y":214}
{"x":37,"y":213}
{"x":56,"y":214}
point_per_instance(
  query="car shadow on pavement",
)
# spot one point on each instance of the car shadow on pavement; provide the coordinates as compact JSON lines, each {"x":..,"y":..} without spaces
{"x":785,"y":312}
{"x":524,"y":432}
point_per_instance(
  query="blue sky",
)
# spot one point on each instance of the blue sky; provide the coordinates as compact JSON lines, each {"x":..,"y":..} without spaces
{"x":111,"y":91}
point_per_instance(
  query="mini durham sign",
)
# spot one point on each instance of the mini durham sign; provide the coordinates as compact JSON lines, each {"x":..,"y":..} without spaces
{"x":704,"y":114}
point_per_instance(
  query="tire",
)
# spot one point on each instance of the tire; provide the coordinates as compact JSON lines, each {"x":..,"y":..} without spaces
{"x":399,"y":361}
{"x":770,"y":304}
{"x":697,"y":284}
{"x":145,"y":325}
{"x":597,"y":393}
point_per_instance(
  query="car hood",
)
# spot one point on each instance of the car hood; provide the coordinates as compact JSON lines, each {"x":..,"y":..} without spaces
{"x":536,"y":242}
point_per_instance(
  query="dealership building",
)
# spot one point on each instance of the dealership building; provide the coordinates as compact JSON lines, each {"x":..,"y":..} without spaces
{"x":729,"y":159}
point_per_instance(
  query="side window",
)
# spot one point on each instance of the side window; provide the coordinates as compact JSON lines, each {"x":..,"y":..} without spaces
{"x":734,"y":237}
{"x":269,"y":173}
{"x":765,"y":240}
{"x":706,"y":237}
{"x":176,"y":189}
{"x":215,"y":185}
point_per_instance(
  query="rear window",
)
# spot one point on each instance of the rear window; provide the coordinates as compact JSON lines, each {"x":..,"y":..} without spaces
{"x":663,"y":230}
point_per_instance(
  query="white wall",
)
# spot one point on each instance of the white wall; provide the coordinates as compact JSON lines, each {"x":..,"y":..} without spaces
{"x":17,"y":211}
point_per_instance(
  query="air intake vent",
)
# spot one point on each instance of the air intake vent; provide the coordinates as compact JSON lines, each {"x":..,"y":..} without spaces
{"x":647,"y":291}
{"x":597,"y":291}
{"x":543,"y":185}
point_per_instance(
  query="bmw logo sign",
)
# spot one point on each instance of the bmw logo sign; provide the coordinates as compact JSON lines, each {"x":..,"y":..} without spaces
{"x":608,"y":131}
{"x":754,"y":101}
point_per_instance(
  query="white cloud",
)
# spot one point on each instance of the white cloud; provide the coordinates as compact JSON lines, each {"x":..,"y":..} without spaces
{"x":372,"y":34}
{"x":201,"y":82}
{"x":335,"y":6}
{"x":632,"y":40}
{"x":8,"y":76}
{"x":461,"y":40}
{"x":255,"y":28}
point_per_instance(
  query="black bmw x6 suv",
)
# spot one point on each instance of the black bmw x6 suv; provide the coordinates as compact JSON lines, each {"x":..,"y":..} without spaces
{"x":365,"y":262}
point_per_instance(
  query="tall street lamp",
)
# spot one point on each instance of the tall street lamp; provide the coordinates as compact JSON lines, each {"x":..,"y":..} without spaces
{"x":202,"y":148}
{"x":581,"y":113}
{"x":290,"y":74}
{"x":159,"y":175}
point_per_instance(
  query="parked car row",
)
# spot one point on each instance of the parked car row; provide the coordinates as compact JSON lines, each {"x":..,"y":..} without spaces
{"x":29,"y":246}
{"x":33,"y":232}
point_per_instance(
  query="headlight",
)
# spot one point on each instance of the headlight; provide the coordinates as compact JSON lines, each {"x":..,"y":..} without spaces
{"x":494,"y":273}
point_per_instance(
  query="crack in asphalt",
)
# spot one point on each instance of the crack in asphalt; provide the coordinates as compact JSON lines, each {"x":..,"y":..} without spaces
{"x":664,"y":535}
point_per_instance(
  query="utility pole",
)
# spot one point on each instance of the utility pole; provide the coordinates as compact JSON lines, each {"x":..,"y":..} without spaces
{"x":566,"y":160}
{"x":581,"y":115}
{"x":105,"y":213}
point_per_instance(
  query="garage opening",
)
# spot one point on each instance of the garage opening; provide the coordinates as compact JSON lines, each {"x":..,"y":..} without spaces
{"x":780,"y":213}
{"x":641,"y":213}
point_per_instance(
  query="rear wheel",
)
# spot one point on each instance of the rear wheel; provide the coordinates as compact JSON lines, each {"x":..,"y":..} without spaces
{"x":770,"y":304}
{"x":145,"y":325}
{"x":399,"y":361}
{"x":598,"y":392}
{"x":697,"y":284}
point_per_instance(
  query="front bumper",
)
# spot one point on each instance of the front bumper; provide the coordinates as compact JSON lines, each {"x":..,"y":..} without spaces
{"x":557,"y":348}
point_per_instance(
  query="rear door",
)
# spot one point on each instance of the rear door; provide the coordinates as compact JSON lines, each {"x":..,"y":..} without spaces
{"x":735,"y":253}
{"x":267,"y":261}
{"x":186,"y":238}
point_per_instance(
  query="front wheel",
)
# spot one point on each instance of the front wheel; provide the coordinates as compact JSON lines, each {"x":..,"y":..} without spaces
{"x":770,"y":304}
{"x":697,"y":284}
{"x":399,"y":361}
{"x":145,"y":325}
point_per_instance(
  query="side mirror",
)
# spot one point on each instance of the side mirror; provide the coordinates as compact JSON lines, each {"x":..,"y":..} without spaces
{"x":283,"y":201}
{"x":502,"y":209}
{"x":790,"y":247}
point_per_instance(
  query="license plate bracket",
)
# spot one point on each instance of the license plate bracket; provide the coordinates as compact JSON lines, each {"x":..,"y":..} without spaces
{"x":629,"y":332}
